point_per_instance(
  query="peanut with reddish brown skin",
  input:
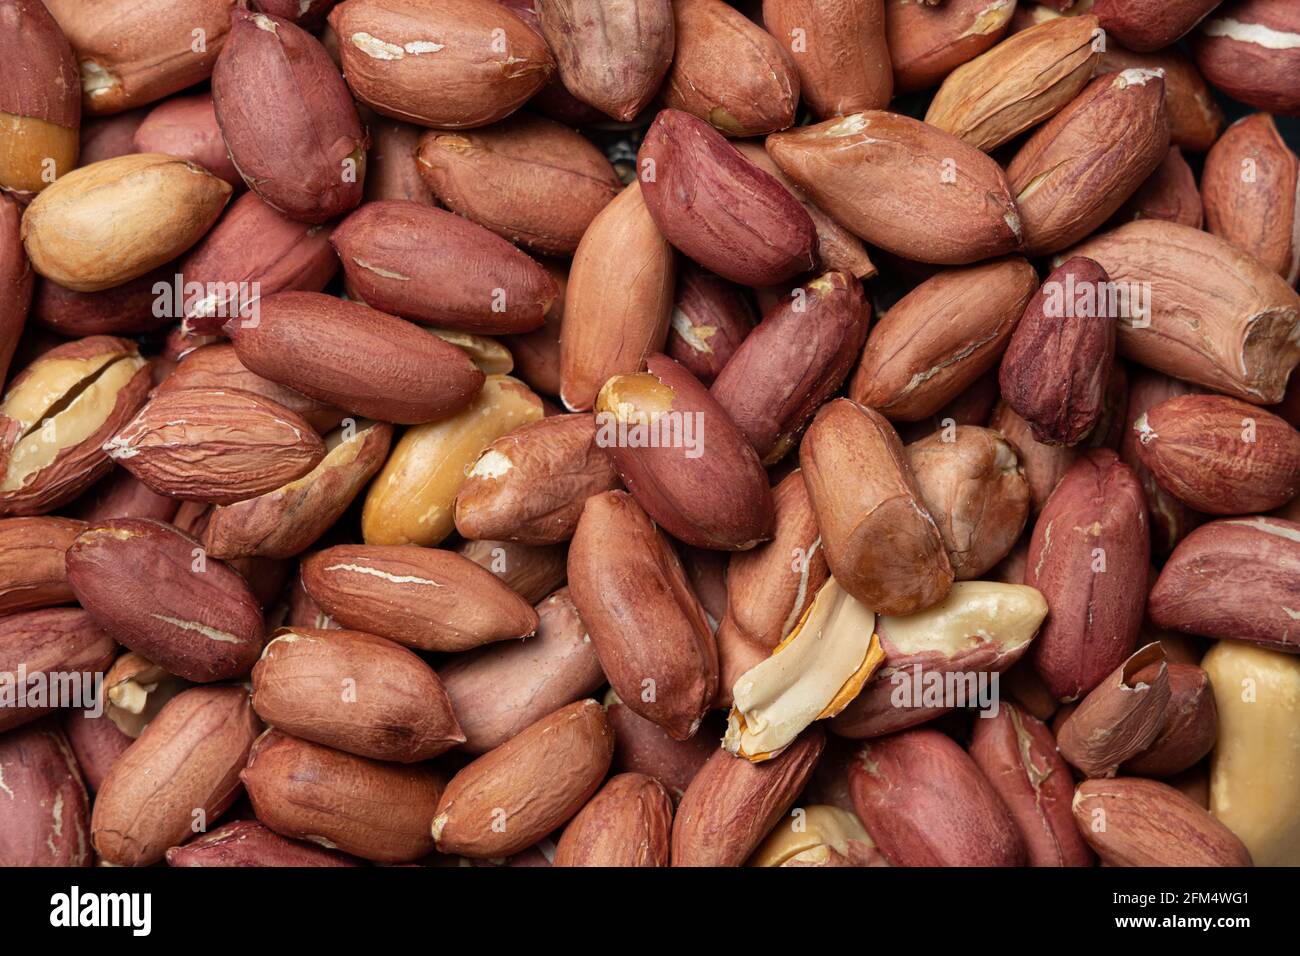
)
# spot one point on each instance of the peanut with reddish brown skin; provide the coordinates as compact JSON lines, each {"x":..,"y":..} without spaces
{"x":1232,"y":579}
{"x":531,"y":571}
{"x":395,"y":707}
{"x":1168,"y":193}
{"x":641,"y":746}
{"x":926,"y":803}
{"x":39,"y":99}
{"x":1219,"y":455}
{"x":52,"y":641}
{"x":720,"y":209}
{"x":1189,"y":729}
{"x":1017,"y":754}
{"x":732,"y":804}
{"x":286,"y":521}
{"x":927,"y":42}
{"x":729,"y":71}
{"x":288,"y":119}
{"x":391,"y":169}
{"x":106,"y":137}
{"x":1109,"y":431}
{"x":973,"y":406}
{"x":256,"y":247}
{"x":126,"y":309}
{"x":249,"y":843}
{"x":218,"y":366}
{"x":17,"y":281}
{"x":96,"y":742}
{"x":1249,"y":50}
{"x":1251,"y":188}
{"x":663,"y":661}
{"x":1069,"y":177}
{"x":837,"y":248}
{"x":193,"y":615}
{"x":841,"y":54}
{"x":1055,"y":368}
{"x":1089,"y":556}
{"x":1130,"y":821}
{"x":32,"y":570}
{"x":612,"y":54}
{"x":482,"y":78}
{"x":405,"y":258}
{"x":529,"y":180}
{"x":47,"y":817}
{"x":881,"y":543}
{"x":619,"y":299}
{"x":356,"y":358}
{"x":701,"y":480}
{"x":941,"y":337}
{"x":377,"y":811}
{"x":187,"y":762}
{"x":711,"y":319}
{"x":1151,"y":24}
{"x":536,"y":354}
{"x":122,"y":495}
{"x":216,"y":445}
{"x":795,"y":359}
{"x":1120,"y":717}
{"x":866,"y":169}
{"x":133,"y":57}
{"x":424,"y":598}
{"x":628,"y":823}
{"x":530,"y":485}
{"x":514,"y":795}
{"x":1044,"y":465}
{"x":1017,"y":84}
{"x":553,"y":100}
{"x":1217,"y":317}
{"x":769,"y":587}
{"x":498,"y":690}
{"x":1195,"y":118}
{"x":186,"y":126}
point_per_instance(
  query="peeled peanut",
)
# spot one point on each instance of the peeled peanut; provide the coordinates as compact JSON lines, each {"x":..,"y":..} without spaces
{"x":819,"y":835}
{"x":412,"y":500}
{"x":104,"y":224}
{"x":812,"y":675}
{"x":137,"y":689}
{"x":1256,"y":761}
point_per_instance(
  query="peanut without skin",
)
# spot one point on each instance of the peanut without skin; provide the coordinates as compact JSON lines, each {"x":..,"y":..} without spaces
{"x":626,"y":434}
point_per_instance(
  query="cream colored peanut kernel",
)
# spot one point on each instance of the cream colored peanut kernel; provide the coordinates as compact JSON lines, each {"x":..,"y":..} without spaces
{"x":412,"y":499}
{"x":973,"y":613}
{"x":808,"y":834}
{"x":44,"y":391}
{"x":1255,"y":764}
{"x":489,"y":355}
{"x":811,"y":675}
